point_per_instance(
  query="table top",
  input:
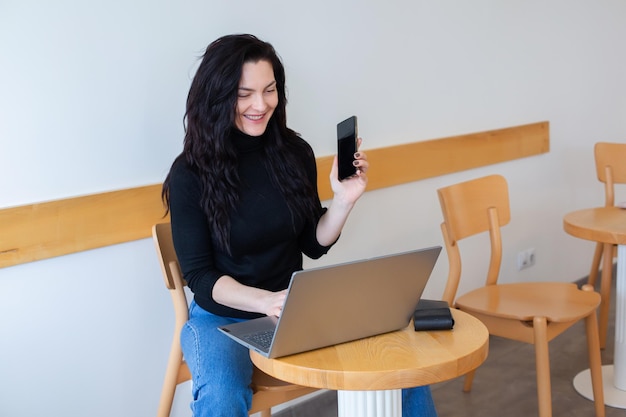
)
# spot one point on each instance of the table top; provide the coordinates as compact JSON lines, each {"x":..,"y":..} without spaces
{"x":600,"y":224}
{"x":395,"y":360}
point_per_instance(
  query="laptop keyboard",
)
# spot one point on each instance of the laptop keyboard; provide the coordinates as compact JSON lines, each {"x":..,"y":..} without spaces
{"x":262,"y":340}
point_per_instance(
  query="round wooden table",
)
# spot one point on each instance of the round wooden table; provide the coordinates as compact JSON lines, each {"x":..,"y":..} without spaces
{"x":370,"y":373}
{"x":607,"y":225}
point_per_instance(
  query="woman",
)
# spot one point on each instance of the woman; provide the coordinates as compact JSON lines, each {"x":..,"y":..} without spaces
{"x":244,"y":208}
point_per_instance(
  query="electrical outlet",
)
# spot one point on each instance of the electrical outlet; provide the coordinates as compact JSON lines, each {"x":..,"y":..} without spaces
{"x":525,"y":259}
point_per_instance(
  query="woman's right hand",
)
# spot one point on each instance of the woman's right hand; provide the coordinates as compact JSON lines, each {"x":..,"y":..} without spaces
{"x":229,"y":292}
{"x":275,"y":301}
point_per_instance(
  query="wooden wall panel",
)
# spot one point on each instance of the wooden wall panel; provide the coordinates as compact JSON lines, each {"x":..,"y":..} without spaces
{"x":44,"y":230}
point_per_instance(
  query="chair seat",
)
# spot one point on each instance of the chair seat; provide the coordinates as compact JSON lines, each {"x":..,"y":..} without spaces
{"x":558,"y":302}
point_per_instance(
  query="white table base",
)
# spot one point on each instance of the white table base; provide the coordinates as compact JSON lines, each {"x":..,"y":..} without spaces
{"x":613,"y":376}
{"x":386,"y":403}
{"x":613,"y":397}
{"x":620,"y":320}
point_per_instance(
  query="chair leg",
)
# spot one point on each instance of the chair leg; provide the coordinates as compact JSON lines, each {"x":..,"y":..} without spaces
{"x":168,"y":391}
{"x":542,"y":358}
{"x":595,"y":362}
{"x":595,"y":264}
{"x":469,"y":379}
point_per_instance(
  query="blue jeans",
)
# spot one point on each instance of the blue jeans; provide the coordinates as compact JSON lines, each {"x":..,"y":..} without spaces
{"x":221,"y":371}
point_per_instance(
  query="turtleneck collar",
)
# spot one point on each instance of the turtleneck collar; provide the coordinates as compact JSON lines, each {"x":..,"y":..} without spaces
{"x":246,"y":143}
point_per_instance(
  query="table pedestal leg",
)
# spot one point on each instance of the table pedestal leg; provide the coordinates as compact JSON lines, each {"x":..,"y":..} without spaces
{"x":370,"y":403}
{"x":605,"y":292}
{"x":613,"y":376}
{"x":620,"y":320}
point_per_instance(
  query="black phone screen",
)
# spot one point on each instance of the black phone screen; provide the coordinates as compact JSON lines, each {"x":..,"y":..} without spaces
{"x":346,"y":147}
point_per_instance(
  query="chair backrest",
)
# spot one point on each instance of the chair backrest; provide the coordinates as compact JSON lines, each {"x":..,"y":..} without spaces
{"x":610,"y":167}
{"x":172,"y":275}
{"x":469,"y":208}
{"x":162,"y":235}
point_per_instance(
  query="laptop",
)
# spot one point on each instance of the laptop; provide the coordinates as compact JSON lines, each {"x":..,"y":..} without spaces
{"x":334,"y":304}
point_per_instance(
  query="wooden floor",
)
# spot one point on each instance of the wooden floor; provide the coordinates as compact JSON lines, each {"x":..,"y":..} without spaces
{"x":505,"y":383}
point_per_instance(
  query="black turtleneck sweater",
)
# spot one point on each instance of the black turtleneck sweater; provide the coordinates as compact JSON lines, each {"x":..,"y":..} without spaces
{"x":266,"y":242}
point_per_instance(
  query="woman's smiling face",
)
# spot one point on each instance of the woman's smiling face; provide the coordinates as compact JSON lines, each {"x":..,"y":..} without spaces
{"x":257,"y":98}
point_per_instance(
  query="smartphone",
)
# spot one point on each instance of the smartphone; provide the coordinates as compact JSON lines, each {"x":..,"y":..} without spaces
{"x":347,"y":133}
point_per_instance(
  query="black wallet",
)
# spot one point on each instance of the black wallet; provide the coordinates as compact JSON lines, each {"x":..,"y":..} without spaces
{"x":433,"y":315}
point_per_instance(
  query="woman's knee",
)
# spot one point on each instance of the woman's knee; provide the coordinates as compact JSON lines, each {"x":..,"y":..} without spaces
{"x":221,"y":369}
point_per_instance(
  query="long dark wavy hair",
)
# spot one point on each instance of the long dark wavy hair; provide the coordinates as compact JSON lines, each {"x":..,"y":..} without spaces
{"x":209,"y":118}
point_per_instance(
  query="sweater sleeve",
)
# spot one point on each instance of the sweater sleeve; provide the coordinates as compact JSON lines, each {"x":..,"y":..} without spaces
{"x":191,"y":231}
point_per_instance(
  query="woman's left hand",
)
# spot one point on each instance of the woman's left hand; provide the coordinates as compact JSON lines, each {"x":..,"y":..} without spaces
{"x":350,"y":189}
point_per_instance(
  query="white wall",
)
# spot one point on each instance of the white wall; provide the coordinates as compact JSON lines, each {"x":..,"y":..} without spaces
{"x":92,"y":98}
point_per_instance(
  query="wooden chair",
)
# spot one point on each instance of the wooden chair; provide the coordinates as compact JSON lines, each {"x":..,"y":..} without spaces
{"x":611,"y":169}
{"x":268,"y":391}
{"x":531,"y":312}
